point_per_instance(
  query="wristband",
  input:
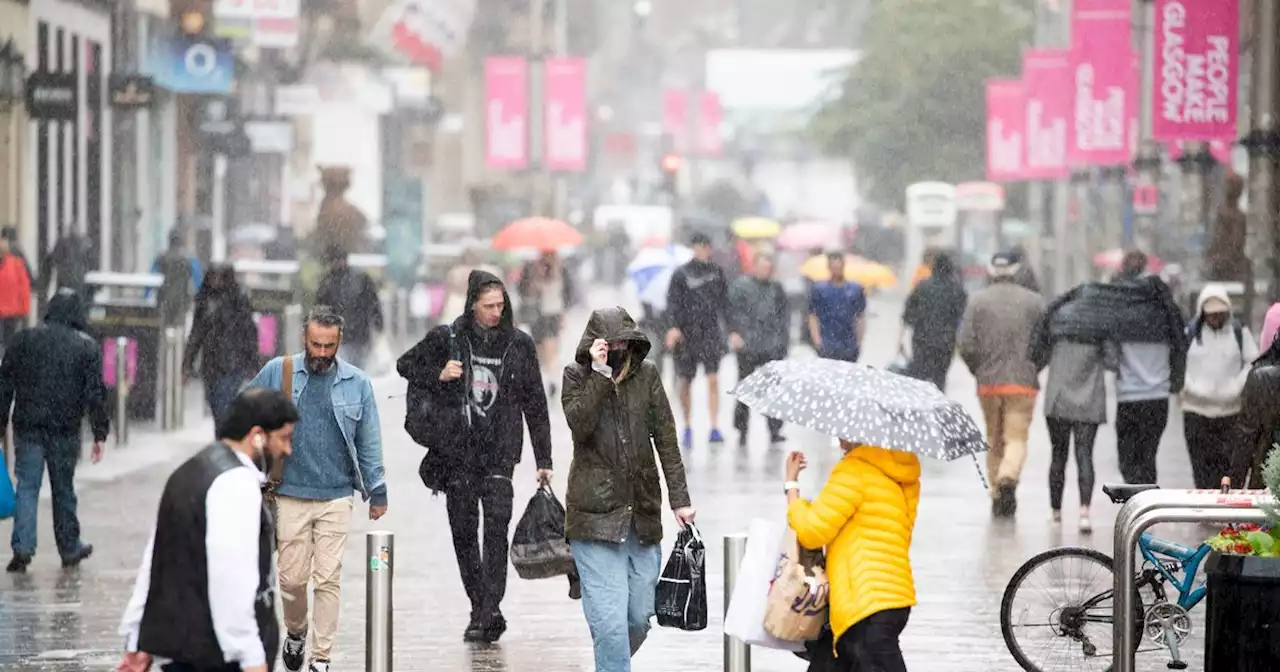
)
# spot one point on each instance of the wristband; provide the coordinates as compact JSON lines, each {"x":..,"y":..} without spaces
{"x":790,"y":485}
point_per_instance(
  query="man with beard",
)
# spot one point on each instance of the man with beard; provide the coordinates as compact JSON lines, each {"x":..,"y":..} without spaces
{"x":337,"y":450}
{"x":205,"y":593}
{"x":470,"y":384}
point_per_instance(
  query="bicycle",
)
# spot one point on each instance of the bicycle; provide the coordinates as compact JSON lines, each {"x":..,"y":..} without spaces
{"x":1163,"y":622}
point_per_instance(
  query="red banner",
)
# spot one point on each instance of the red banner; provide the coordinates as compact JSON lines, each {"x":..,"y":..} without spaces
{"x":710,"y":139}
{"x":1046,"y":80}
{"x":565,"y":114}
{"x":1105,"y":97}
{"x":506,"y":112}
{"x":1197,"y":68}
{"x":675,"y":115}
{"x":1006,"y":131}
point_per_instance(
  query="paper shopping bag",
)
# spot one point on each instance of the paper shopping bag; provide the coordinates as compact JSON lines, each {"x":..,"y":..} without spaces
{"x":744,"y":617}
{"x":797,"y":607}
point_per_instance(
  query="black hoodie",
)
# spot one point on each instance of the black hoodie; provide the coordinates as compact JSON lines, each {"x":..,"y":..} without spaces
{"x":52,"y":374}
{"x":472,"y":426}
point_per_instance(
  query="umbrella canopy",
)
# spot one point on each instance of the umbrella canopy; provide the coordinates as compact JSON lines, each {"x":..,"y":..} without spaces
{"x":652,"y":261}
{"x":809,"y":235}
{"x":756,"y":227}
{"x":655,"y":293}
{"x":1111,"y":259}
{"x":856,"y":269}
{"x":537,"y":233}
{"x":862,"y":404}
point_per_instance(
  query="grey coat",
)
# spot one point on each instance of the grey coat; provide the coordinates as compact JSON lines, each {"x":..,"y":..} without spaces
{"x":1076,"y":389}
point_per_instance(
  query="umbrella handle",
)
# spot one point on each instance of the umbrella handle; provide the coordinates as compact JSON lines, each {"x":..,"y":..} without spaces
{"x":981,"y":476}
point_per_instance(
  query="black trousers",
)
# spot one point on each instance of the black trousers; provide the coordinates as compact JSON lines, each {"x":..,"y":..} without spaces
{"x":1139,"y":426}
{"x":1209,"y":447}
{"x":747,"y":364}
{"x":871,"y":645}
{"x":1060,"y":433}
{"x":471,"y":501}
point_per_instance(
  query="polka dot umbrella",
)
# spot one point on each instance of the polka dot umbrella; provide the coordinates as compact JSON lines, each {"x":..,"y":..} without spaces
{"x":863,"y":404}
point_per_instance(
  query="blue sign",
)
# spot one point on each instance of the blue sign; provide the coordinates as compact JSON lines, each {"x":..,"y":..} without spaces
{"x":191,"y":65}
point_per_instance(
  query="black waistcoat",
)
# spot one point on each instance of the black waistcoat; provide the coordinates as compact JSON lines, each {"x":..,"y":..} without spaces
{"x":177,"y":621}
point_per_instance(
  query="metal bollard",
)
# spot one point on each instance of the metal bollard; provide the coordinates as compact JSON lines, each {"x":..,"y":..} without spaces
{"x":380,"y":546}
{"x":737,"y":654}
{"x":179,"y":381}
{"x":122,"y":391}
{"x":171,"y":377}
{"x":292,"y":329}
{"x":402,"y":316}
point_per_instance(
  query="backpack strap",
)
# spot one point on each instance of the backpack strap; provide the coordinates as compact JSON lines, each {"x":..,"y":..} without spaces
{"x":1239,"y":330}
{"x":286,"y":386}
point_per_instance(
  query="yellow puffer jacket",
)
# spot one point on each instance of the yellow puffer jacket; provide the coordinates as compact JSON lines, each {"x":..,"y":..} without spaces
{"x":864,"y":517}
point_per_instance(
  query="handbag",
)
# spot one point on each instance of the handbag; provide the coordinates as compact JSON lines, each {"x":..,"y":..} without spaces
{"x":8,"y":499}
{"x":797,"y":607}
{"x":744,"y":617}
{"x":681,"y":594}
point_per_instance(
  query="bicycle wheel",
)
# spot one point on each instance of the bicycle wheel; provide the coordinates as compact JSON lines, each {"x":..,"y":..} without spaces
{"x":1073,"y":632}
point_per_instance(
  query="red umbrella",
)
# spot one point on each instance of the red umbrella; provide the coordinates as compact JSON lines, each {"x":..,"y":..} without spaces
{"x":539,"y":233}
{"x":1111,"y":260}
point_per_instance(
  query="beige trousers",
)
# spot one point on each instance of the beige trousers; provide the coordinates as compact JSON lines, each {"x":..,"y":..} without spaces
{"x":1008,"y":423}
{"x":312,"y":536}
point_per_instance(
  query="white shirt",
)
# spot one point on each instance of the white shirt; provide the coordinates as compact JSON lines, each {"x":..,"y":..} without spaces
{"x":233,"y":510}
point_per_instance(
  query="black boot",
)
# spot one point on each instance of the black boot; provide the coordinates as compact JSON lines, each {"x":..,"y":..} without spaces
{"x":496,"y":627}
{"x":475,"y":631}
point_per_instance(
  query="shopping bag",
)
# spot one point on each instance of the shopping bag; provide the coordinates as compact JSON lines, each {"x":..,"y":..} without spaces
{"x":797,"y":607}
{"x":744,"y":617}
{"x":538,"y":548}
{"x":681,"y":593}
{"x":7,"y":500}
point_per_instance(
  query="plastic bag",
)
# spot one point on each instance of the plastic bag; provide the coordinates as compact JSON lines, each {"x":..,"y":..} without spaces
{"x":681,"y":594}
{"x":744,"y":618}
{"x":538,"y":548}
{"x":797,"y":607}
{"x":7,"y":498}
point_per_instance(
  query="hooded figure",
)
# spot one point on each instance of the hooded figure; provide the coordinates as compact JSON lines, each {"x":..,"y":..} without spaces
{"x":471,"y":384}
{"x":1225,"y":260}
{"x":933,"y":312}
{"x":619,"y":417}
{"x":52,"y":375}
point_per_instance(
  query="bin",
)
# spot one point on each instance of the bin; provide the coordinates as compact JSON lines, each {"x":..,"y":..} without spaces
{"x":124,"y":304}
{"x":1242,"y":614}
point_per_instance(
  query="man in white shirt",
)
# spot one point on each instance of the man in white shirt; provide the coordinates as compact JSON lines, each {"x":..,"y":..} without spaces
{"x":183,"y":611}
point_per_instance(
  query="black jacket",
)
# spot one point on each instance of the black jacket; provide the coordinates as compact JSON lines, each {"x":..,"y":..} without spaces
{"x":354,"y":294}
{"x":760,"y":313}
{"x":52,"y":374}
{"x":466,"y":433}
{"x":224,"y":336}
{"x":698,"y":299}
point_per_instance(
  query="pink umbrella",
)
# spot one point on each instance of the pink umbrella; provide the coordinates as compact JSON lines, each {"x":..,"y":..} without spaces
{"x":809,"y":235}
{"x":1111,"y":259}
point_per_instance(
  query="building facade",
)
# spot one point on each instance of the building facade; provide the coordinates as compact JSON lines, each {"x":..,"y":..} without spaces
{"x":15,"y":38}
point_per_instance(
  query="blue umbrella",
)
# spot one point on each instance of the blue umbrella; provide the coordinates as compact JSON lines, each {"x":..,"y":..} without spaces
{"x":655,"y":262}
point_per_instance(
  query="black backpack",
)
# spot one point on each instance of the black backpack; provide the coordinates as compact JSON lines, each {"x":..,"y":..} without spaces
{"x":424,"y":419}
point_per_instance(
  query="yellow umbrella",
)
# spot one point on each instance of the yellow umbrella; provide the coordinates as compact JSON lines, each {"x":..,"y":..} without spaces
{"x":756,"y":227}
{"x":869,"y":274}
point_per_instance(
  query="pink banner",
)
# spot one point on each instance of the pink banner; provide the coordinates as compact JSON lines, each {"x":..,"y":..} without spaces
{"x":711,"y":116}
{"x":1046,"y":81}
{"x":109,"y":373}
{"x":1105,"y":99}
{"x":565,"y":114}
{"x":506,"y":112}
{"x":675,"y":115}
{"x":1197,"y":67}
{"x":1006,"y":130}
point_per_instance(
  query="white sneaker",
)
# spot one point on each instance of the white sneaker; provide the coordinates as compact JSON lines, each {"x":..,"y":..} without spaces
{"x":1086,"y":527}
{"x":320,"y":666}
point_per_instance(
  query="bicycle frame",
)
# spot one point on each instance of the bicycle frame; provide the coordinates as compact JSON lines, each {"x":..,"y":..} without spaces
{"x":1154,"y":549}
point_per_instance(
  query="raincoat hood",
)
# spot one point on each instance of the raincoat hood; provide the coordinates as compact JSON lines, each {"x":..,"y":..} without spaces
{"x":1212,"y":292}
{"x":477,"y":280}
{"x":902,"y":467}
{"x":65,"y":308}
{"x":612,"y":324}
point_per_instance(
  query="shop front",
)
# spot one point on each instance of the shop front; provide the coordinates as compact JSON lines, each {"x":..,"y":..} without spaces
{"x":14,"y":44}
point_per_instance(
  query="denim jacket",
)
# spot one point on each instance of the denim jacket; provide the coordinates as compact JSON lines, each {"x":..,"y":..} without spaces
{"x":356,"y":410}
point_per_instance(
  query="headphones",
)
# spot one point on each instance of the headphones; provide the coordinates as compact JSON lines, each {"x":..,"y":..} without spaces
{"x":259,"y":441}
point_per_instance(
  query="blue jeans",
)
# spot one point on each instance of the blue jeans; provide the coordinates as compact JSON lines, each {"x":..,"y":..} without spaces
{"x":618,"y":583}
{"x":32,"y":452}
{"x":219,"y":394}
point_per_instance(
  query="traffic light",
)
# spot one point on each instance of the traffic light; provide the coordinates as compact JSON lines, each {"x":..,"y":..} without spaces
{"x":670,"y":166}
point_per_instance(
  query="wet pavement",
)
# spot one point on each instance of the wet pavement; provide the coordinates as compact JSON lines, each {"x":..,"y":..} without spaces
{"x":66,"y":621}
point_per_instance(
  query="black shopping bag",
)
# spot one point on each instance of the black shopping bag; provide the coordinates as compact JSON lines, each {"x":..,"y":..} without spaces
{"x":539,"y":549}
{"x":681,"y":597}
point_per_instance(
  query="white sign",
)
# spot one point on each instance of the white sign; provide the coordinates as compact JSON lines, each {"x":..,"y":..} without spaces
{"x":270,"y":137}
{"x":300,"y":100}
{"x":257,"y":9}
{"x":269,"y":24}
{"x":931,"y":204}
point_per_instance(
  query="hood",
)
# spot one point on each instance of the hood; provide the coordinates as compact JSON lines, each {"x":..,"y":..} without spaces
{"x":902,"y":467}
{"x":475,"y":281}
{"x":65,"y":308}
{"x":1233,"y":189}
{"x":1212,"y":292}
{"x":611,"y":324}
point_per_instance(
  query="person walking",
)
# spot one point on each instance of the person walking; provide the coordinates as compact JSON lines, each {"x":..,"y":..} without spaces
{"x":696,"y":303}
{"x":182,"y":278}
{"x":1220,"y":353}
{"x":51,"y":375}
{"x":546,"y":291}
{"x":205,"y":593}
{"x":933,"y":313}
{"x":994,"y":342}
{"x":353,"y":293}
{"x":837,"y":314}
{"x":864,"y":517}
{"x":67,"y":264}
{"x":15,"y":293}
{"x":1075,"y":403}
{"x":338,"y":451}
{"x":473,"y":384}
{"x":616,"y":409}
{"x":223,"y":337}
{"x":759,"y":321}
{"x":1258,"y":422}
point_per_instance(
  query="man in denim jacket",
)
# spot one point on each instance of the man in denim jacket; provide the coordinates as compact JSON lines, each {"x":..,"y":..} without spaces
{"x":337,"y":449}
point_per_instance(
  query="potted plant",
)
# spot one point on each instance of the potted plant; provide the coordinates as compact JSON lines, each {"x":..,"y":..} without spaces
{"x":1242,"y":615}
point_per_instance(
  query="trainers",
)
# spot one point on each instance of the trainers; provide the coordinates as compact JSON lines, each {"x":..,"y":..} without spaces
{"x":18,"y":565}
{"x":778,"y":439}
{"x":1086,"y":526}
{"x":475,"y":630}
{"x":686,"y":439}
{"x":295,"y":651}
{"x":716,"y":436}
{"x":319,"y":666}
{"x":575,"y":587}
{"x":497,"y":626}
{"x":79,"y":556}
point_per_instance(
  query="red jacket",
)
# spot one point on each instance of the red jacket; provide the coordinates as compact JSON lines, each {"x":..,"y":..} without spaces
{"x":15,"y":287}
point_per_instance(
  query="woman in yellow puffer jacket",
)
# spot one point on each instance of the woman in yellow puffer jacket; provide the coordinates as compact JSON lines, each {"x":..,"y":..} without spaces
{"x":864,"y":516}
